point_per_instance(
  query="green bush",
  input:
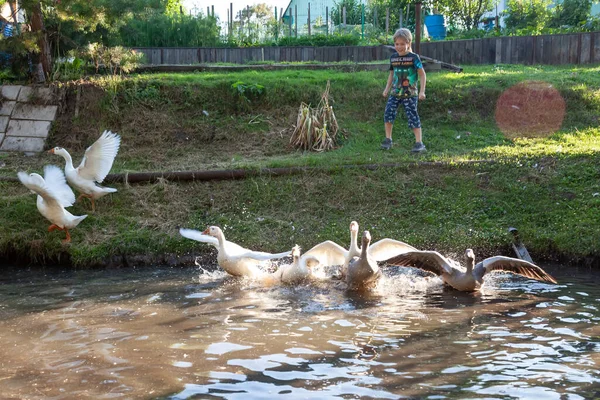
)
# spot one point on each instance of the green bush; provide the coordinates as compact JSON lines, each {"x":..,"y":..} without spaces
{"x":531,"y":15}
{"x":570,"y":13}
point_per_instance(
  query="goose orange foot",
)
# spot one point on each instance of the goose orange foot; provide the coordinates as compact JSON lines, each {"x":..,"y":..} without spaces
{"x":89,"y":196}
{"x":55,"y":227}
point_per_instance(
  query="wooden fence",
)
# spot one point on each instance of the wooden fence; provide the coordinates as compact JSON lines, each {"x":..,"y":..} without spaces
{"x":575,"y":48}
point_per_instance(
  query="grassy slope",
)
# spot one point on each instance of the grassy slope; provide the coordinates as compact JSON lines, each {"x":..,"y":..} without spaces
{"x":546,"y":186}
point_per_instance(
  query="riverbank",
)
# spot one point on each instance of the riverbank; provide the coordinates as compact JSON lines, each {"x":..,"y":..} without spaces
{"x":547,"y":186}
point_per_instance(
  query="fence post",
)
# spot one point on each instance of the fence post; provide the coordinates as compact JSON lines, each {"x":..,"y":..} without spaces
{"x":387,"y":22}
{"x":418,"y":27}
{"x":231,"y":20}
{"x":375,"y":19}
{"x":296,"y":20}
{"x":309,"y":19}
{"x":362,"y":21}
{"x":249,"y":26}
{"x":276,"y":24}
{"x":327,"y":21}
{"x":401,"y":19}
{"x":344,"y":23}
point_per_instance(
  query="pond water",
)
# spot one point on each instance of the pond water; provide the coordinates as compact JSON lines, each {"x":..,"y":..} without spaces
{"x":187,"y":334}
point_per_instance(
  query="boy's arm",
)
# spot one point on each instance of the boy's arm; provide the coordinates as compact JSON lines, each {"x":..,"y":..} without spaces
{"x":388,"y":86}
{"x":422,"y":82}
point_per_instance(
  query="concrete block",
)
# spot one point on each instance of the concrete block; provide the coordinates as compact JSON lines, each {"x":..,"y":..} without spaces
{"x":11,"y":92}
{"x":3,"y":124}
{"x":23,"y":128}
{"x":7,"y":107}
{"x":24,"y":144}
{"x":35,"y":112}
{"x":41,"y":94}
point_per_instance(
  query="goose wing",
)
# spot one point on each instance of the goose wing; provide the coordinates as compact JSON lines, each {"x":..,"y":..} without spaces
{"x":36,"y":184}
{"x":198,"y":236}
{"x":328,"y":253}
{"x":387,"y":248}
{"x":99,"y":157}
{"x":512,"y":265}
{"x":254,"y":255}
{"x":430,"y":261}
{"x":57,"y":183}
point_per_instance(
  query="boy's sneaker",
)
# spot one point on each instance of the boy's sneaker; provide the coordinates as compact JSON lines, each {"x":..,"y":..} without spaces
{"x":386,"y":144}
{"x":418,"y":147}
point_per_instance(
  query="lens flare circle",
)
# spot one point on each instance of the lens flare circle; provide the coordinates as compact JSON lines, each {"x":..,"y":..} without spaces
{"x":530,"y":109}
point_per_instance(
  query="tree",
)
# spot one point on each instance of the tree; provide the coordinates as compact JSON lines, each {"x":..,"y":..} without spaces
{"x":466,"y":13}
{"x":353,"y":12}
{"x":531,"y":15}
{"x":570,"y":13}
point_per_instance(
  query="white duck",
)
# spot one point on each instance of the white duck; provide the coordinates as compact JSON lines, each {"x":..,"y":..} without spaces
{"x":471,"y":279}
{"x":233,"y":258}
{"x":331,"y":253}
{"x":363,"y":272}
{"x":297,"y":272}
{"x":94,"y":167}
{"x":53,"y":196}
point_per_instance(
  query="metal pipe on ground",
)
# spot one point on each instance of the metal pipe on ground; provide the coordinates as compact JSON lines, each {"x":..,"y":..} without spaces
{"x":229,"y":174}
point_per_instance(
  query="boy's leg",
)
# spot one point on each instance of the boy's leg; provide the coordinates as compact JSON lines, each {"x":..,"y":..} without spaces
{"x":418,"y":135}
{"x":414,"y":122}
{"x":391,"y":110}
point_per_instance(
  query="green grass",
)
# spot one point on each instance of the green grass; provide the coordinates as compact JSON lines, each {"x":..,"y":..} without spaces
{"x":548,"y":186}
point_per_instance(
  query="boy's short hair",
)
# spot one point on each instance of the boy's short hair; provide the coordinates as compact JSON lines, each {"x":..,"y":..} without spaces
{"x":404,"y":34}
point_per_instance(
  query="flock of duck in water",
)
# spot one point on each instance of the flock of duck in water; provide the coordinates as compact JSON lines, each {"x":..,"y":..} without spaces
{"x":357,"y":266}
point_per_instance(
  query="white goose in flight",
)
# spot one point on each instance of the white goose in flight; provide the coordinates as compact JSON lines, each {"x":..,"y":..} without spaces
{"x":94,"y":167}
{"x":471,"y":279}
{"x":53,"y":196}
{"x":297,"y":272}
{"x":233,"y":258}
{"x":330,"y":253}
{"x":363,"y":272}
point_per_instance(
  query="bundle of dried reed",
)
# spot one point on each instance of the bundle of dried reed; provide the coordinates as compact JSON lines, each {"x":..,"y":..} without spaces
{"x":316,"y":129}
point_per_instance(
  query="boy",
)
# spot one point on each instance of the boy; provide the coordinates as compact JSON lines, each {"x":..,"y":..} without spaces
{"x":402,"y":89}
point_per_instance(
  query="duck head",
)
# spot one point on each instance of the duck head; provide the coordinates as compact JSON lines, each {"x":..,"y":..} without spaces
{"x":212,"y":231}
{"x":354,"y":226}
{"x":57,"y":150}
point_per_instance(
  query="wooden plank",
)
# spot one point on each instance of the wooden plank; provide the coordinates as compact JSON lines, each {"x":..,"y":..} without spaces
{"x":468,"y":59}
{"x":595,"y":46}
{"x":498,"y":57}
{"x":477,"y":51}
{"x":519,"y":49}
{"x":574,"y":48}
{"x":446,"y":51}
{"x":548,"y":50}
{"x":463,"y":51}
{"x":584,"y":57}
{"x":556,"y":50}
{"x":491,"y":51}
{"x":564,"y":49}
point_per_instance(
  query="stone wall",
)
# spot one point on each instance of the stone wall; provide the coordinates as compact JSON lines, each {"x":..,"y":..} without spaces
{"x":26,"y":116}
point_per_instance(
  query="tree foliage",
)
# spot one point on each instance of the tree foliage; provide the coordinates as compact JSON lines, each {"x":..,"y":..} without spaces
{"x":531,"y":15}
{"x":466,"y":13}
{"x":570,"y":13}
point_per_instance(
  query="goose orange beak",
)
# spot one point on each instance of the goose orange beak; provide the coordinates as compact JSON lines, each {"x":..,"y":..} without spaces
{"x":51,"y":151}
{"x":206,"y":231}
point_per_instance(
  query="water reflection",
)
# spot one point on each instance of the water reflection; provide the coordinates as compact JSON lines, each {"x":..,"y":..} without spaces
{"x":181,"y":334}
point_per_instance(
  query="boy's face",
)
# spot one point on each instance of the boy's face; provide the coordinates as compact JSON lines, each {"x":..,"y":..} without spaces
{"x":401,"y":46}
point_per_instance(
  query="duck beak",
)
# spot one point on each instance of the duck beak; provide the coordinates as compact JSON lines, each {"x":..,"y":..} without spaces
{"x":51,"y":151}
{"x":206,"y":231}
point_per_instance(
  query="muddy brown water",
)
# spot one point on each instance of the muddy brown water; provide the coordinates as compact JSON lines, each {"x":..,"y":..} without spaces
{"x":185,"y":333}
